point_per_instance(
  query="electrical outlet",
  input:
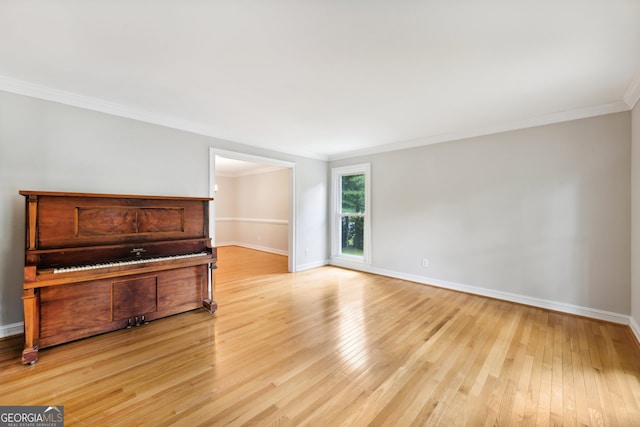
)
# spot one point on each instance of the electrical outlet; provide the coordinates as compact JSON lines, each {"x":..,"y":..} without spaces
{"x":307,"y":251}
{"x":425,"y":262}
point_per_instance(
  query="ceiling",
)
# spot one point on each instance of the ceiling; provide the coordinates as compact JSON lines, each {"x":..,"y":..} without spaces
{"x":234,"y":168}
{"x":332,"y":78}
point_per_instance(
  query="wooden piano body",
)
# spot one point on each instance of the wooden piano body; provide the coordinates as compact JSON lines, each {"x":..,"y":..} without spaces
{"x":99,"y":262}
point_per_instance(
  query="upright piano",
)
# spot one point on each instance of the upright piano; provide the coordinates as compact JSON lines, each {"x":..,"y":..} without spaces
{"x":99,"y":262}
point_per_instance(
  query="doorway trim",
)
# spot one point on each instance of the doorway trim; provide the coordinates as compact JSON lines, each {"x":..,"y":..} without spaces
{"x":213,"y":152}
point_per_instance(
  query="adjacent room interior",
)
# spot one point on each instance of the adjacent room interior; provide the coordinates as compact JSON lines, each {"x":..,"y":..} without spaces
{"x":251,"y":205}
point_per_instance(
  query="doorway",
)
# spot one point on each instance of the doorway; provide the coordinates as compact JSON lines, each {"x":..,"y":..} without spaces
{"x":253,"y":203}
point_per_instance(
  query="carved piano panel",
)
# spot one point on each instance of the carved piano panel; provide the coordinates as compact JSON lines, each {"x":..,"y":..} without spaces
{"x":73,"y":311}
{"x":181,"y":289}
{"x":75,"y":221}
{"x":95,"y":263}
{"x":134,"y":297}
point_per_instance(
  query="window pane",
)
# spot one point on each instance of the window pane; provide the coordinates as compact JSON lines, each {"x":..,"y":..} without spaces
{"x":352,"y":235}
{"x":353,"y":193}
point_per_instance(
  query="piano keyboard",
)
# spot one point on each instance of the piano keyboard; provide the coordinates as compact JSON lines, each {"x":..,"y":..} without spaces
{"x":122,"y":263}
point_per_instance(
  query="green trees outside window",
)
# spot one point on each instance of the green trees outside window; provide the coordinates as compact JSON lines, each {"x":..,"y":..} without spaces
{"x":351,"y":218}
{"x":353,"y":210}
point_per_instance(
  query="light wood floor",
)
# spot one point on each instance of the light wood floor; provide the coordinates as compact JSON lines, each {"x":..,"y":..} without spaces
{"x":336,"y":347}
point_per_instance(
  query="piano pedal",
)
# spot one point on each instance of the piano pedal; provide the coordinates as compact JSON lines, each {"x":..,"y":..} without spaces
{"x":136,"y":321}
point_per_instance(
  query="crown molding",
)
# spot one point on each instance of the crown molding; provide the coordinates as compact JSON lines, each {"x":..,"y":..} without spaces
{"x":256,"y":171}
{"x":632,"y":95}
{"x":46,"y":93}
{"x":19,"y":87}
{"x":562,"y":116}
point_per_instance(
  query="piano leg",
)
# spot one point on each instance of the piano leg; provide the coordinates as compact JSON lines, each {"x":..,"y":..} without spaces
{"x":31,"y":326}
{"x":210,"y":306}
{"x":207,"y":298}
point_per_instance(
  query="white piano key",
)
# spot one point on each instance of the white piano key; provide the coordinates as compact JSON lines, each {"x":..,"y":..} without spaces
{"x":122,"y":263}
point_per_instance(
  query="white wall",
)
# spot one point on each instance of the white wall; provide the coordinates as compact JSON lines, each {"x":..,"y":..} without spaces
{"x":542,"y":213}
{"x":252,"y":211}
{"x":225,"y":210}
{"x":49,"y":146}
{"x":635,"y":222}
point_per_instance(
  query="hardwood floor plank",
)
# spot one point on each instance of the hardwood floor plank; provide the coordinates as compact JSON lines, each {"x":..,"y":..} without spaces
{"x":578,"y":381}
{"x":558,"y":399}
{"x":336,"y":347}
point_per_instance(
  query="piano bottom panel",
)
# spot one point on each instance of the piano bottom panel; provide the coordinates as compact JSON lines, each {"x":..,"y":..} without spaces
{"x":73,"y":311}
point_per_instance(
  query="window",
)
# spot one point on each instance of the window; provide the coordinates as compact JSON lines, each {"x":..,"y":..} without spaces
{"x":351,"y":212}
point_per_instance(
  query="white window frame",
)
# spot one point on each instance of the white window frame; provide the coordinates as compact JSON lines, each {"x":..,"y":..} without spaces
{"x":336,"y":214}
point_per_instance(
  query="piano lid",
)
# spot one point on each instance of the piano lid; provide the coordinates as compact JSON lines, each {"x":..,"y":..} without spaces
{"x":107,"y":196}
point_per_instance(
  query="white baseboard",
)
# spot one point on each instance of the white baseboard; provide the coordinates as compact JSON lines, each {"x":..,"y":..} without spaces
{"x":18,"y":328}
{"x":254,"y":220}
{"x":300,"y":267}
{"x":310,"y":265}
{"x":505,"y":296}
{"x":255,"y":247}
{"x":635,"y":328}
{"x":12,"y":329}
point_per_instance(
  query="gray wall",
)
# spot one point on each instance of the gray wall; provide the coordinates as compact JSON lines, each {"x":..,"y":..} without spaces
{"x":541,"y":212}
{"x":635,"y":187}
{"x":49,"y":146}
